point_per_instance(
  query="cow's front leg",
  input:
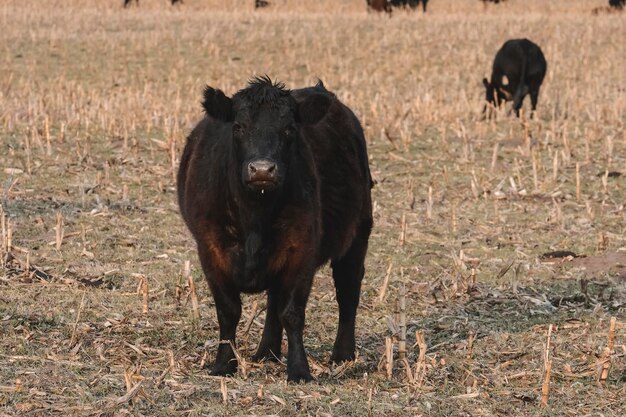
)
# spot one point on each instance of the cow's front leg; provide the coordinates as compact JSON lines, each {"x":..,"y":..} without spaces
{"x":228,"y":306}
{"x":292,"y":306}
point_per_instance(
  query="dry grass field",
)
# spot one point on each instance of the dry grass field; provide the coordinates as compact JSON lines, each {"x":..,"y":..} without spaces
{"x":99,"y":318}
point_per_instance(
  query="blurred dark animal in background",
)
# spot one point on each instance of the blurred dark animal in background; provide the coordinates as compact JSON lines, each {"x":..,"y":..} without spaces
{"x":412,"y":4}
{"x":518,"y":69}
{"x":128,"y":2}
{"x":379,"y":5}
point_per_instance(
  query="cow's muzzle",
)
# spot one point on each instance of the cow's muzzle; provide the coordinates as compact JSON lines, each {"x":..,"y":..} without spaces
{"x":262,"y":175}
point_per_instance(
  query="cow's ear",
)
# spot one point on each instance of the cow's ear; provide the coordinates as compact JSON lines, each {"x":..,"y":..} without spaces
{"x":217,"y":105}
{"x":486,"y":83}
{"x":313,"y":108}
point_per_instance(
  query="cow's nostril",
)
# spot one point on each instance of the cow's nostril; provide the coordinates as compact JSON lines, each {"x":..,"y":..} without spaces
{"x":271,"y":169}
{"x":252,"y":168}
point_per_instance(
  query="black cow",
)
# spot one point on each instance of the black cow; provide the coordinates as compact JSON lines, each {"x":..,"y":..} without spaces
{"x":128,"y":2}
{"x":379,"y":5}
{"x":272,"y":184}
{"x":259,"y":4}
{"x":518,"y":69}
{"x":617,"y":4}
{"x":413,"y":4}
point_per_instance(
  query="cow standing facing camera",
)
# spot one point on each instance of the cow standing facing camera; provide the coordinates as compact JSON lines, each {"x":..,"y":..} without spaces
{"x":518,"y":69}
{"x":272,"y":184}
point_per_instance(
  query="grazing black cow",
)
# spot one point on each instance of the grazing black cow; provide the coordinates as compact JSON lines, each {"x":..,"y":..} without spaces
{"x":492,"y":1}
{"x":258,"y":4}
{"x":128,"y":2}
{"x":272,"y":184}
{"x":379,"y":5}
{"x":413,"y":4}
{"x":617,"y":4}
{"x":518,"y":69}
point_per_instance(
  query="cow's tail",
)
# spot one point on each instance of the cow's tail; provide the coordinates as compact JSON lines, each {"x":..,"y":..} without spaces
{"x":519,"y":93}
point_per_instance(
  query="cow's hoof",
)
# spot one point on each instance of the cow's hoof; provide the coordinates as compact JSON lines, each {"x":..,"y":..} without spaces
{"x":223,"y":370}
{"x":340,"y":356}
{"x":297,"y":377}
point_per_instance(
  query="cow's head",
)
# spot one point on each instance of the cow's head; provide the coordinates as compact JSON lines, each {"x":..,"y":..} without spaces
{"x":489,"y":92}
{"x":497,"y":94}
{"x":265,"y":120}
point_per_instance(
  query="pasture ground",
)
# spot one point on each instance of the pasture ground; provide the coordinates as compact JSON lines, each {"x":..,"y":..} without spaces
{"x":95,"y":104}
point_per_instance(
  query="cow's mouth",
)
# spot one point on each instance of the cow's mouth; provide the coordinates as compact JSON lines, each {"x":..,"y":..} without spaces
{"x":262,"y":186}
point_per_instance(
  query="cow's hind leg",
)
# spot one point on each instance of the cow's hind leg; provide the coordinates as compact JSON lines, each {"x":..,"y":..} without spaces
{"x":534,"y":96}
{"x":270,"y":345}
{"x":348,"y":273}
{"x":518,"y":98}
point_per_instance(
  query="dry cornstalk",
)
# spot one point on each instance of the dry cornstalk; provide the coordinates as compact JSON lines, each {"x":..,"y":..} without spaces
{"x":146,"y":293}
{"x":547,"y":368}
{"x":242,"y":366}
{"x":170,"y":367}
{"x":555,"y":167}
{"x":80,"y":309}
{"x":494,"y":156}
{"x":471,"y":281}
{"x":46,"y":128}
{"x":383,"y":288}
{"x":420,"y":365}
{"x":402,"y":321}
{"x":608,"y":352}
{"x":577,"y":181}
{"x":178,"y":292}
{"x":9,"y":244}
{"x":127,"y":397}
{"x":609,"y":151}
{"x":403,"y":230}
{"x":389,"y":357}
{"x":192,"y":292}
{"x":535,"y":174}
{"x":27,"y":266}
{"x":27,"y":150}
{"x":224,"y":390}
{"x":3,"y":241}
{"x":429,"y":204}
{"x":453,"y":218}
{"x":470,"y":344}
{"x":59,"y":230}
